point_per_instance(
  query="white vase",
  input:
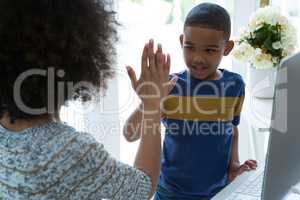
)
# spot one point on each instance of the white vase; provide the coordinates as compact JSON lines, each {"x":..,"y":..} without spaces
{"x":261,"y":82}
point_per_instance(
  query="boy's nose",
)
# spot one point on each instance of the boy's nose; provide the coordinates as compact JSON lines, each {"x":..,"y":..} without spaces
{"x":198,"y":59}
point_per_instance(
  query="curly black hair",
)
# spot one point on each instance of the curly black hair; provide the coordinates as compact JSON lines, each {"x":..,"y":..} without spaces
{"x":73,"y":38}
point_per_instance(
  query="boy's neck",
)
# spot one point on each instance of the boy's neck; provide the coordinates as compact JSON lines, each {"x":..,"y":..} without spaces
{"x":215,"y":76}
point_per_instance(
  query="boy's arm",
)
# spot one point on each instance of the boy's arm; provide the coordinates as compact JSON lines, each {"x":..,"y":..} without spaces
{"x":235,"y":146}
{"x":235,"y":168}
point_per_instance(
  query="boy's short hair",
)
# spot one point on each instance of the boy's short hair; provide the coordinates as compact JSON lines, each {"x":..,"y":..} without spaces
{"x":210,"y":15}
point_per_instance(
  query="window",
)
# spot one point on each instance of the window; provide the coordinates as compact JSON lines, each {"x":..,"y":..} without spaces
{"x":141,"y":20}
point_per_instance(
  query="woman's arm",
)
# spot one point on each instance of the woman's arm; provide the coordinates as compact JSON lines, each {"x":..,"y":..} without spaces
{"x":132,"y":127}
{"x":151,"y":88}
{"x":148,"y":156}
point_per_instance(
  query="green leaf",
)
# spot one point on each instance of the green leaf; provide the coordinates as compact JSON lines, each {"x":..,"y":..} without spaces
{"x":268,"y":44}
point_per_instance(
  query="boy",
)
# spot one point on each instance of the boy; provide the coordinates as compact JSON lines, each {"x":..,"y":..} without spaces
{"x":201,"y":113}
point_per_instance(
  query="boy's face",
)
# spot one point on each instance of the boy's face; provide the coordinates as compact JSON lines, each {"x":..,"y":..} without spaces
{"x":203,"y":49}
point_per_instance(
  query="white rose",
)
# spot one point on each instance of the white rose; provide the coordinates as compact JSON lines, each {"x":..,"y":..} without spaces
{"x":269,"y":15}
{"x":238,"y":54}
{"x":288,"y":39}
{"x":277,"y":45}
{"x":244,"y":52}
{"x":255,"y":24}
{"x":282,"y":20}
{"x":263,"y":61}
{"x":257,"y":52}
{"x":243,"y":33}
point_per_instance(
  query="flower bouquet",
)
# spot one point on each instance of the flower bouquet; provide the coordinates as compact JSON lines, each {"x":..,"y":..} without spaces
{"x":270,"y":37}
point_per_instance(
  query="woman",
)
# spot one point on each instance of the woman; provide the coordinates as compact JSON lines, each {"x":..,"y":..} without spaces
{"x":44,"y":46}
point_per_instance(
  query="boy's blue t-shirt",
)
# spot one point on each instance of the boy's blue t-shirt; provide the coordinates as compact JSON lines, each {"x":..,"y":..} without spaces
{"x":199,"y":117}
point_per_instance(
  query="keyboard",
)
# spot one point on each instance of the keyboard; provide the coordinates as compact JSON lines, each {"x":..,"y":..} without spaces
{"x":251,"y":189}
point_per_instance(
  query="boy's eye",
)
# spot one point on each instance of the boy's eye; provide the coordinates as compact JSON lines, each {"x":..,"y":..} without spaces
{"x":211,"y":50}
{"x":189,"y":47}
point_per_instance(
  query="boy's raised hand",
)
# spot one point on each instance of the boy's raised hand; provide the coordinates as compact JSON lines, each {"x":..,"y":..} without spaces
{"x":236,"y":169}
{"x":153,"y":83}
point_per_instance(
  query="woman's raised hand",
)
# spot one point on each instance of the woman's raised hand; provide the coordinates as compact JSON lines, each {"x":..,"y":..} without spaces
{"x":153,"y":84}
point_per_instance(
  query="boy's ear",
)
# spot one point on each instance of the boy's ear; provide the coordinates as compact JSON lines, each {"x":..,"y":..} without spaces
{"x":181,"y":40}
{"x":228,"y":47}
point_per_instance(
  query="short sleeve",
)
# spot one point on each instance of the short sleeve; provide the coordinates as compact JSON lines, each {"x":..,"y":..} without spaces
{"x":103,"y":177}
{"x":239,"y":103}
{"x":172,"y":77}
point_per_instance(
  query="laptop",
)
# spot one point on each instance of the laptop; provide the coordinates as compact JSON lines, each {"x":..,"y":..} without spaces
{"x":281,"y":171}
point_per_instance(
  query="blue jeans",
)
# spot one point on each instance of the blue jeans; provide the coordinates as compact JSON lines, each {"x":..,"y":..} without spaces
{"x":163,"y":194}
